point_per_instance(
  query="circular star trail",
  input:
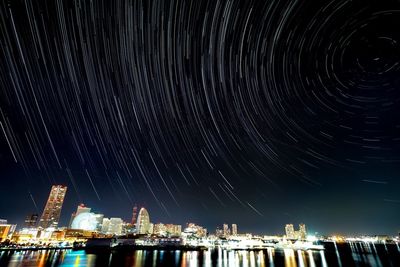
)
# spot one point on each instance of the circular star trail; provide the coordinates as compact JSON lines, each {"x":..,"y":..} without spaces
{"x":201,"y":104}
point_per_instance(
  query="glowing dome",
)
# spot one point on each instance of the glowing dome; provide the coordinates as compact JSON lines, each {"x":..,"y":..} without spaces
{"x":85,"y":221}
{"x":143,"y":222}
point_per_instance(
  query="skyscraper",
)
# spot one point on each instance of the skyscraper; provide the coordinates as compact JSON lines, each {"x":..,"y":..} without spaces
{"x":302,"y":231}
{"x":134,"y":215}
{"x":31,"y":220}
{"x":234,"y":229}
{"x":289,"y":229}
{"x":52,"y":210}
{"x":143,"y":222}
{"x":226,"y":229}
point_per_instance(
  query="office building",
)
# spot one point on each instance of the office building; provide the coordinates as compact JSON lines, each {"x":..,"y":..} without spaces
{"x":31,"y":220}
{"x":115,"y":226}
{"x":104,"y":225}
{"x":226,"y":231}
{"x":52,"y":211}
{"x":302,"y":231}
{"x":289,"y":229}
{"x":134,"y":215}
{"x":234,"y":229}
{"x":112,"y":226}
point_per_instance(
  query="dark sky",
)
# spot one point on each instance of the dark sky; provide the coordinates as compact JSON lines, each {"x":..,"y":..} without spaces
{"x":259,"y":113}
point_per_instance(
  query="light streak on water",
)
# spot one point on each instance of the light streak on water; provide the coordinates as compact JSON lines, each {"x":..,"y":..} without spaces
{"x":300,"y":256}
{"x":311,"y":258}
{"x":324,"y":263}
{"x":290,"y":260}
{"x":349,"y":254}
{"x":252,"y":259}
{"x":271,"y":257}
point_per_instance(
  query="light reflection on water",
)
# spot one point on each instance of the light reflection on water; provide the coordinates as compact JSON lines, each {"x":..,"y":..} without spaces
{"x":358,"y":254}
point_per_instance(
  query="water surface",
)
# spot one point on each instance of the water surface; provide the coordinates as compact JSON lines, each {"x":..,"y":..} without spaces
{"x":342,"y":255}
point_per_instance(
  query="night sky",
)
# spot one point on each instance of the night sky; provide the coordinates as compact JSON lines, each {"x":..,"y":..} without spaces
{"x":259,"y":113}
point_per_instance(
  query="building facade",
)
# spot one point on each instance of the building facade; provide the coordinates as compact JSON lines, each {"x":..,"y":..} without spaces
{"x":234,"y":229}
{"x":302,"y":231}
{"x":31,"y":220}
{"x":6,"y":230}
{"x":52,"y":211}
{"x":226,"y":231}
{"x":80,"y":209}
{"x":143,"y":222}
{"x":289,"y":229}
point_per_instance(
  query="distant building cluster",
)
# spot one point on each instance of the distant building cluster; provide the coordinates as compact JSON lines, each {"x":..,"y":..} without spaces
{"x":193,"y":230}
{"x":300,"y":234}
{"x":85,"y":223}
{"x":226,"y":231}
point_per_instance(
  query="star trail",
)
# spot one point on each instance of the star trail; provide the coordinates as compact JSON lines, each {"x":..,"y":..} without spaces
{"x":263,"y":112}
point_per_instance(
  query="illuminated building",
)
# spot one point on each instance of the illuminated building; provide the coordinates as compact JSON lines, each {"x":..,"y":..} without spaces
{"x":161,"y":229}
{"x":112,"y":226}
{"x":80,"y":209}
{"x":302,"y":231}
{"x":134,"y":215}
{"x":225,"y":228}
{"x":52,"y":211}
{"x":234,"y":229}
{"x":104,"y":225}
{"x":6,"y":230}
{"x":289,"y":229}
{"x":194,"y":230}
{"x":26,"y":235}
{"x":85,"y":221}
{"x":99,"y":219}
{"x":31,"y":220}
{"x":128,"y":228}
{"x":219,"y":232}
{"x":173,"y":229}
{"x":115,"y":226}
{"x":143,"y":222}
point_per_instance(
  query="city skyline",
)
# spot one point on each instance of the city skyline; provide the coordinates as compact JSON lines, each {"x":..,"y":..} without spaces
{"x":257,"y":113}
{"x":141,"y":221}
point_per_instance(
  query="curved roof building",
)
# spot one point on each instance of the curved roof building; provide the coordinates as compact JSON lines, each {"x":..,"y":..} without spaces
{"x":143,"y":222}
{"x":85,"y":221}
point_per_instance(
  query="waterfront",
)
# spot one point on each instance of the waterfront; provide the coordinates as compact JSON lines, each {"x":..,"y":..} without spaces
{"x":345,"y":254}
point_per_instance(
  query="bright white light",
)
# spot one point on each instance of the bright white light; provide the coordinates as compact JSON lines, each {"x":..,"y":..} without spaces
{"x":311,"y":238}
{"x":85,"y":221}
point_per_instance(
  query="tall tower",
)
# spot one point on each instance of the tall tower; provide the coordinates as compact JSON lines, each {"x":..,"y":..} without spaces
{"x":134,"y":215}
{"x":226,"y":229}
{"x":289,"y":229}
{"x":52,"y":210}
{"x":303,"y":231}
{"x":234,"y":229}
{"x":143,"y":222}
